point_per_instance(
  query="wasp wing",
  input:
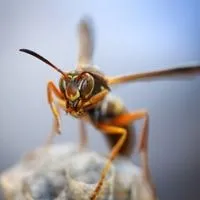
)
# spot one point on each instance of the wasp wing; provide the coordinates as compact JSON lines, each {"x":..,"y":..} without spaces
{"x":176,"y":72}
{"x":86,"y":42}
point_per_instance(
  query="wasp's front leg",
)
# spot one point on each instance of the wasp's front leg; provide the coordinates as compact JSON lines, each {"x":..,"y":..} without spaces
{"x":55,"y":107}
{"x":59,"y":105}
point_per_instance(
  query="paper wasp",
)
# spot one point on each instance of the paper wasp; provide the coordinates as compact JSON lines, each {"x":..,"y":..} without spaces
{"x":85,"y":94}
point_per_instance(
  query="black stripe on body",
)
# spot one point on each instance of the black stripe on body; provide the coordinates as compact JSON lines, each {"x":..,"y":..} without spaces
{"x":110,"y":108}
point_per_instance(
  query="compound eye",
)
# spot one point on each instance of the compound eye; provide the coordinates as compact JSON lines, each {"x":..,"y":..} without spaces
{"x":86,"y":85}
{"x":63,"y":84}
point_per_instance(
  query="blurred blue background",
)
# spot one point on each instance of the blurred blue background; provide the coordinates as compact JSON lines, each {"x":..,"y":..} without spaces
{"x":131,"y":36}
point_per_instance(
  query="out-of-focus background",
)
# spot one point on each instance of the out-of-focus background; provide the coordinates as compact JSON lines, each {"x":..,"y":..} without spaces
{"x":131,"y":36}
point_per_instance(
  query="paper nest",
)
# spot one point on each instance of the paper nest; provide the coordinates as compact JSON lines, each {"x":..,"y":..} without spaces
{"x":62,"y":172}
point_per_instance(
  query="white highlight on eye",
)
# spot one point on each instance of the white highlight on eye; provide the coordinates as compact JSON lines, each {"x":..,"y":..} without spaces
{"x":80,"y":84}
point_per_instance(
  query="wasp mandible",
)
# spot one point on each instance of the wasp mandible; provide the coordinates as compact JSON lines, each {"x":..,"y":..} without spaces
{"x":85,"y":94}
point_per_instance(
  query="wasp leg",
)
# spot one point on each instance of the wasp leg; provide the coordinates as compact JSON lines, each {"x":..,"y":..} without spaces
{"x":55,"y":107}
{"x":109,"y":129}
{"x":113,"y":128}
{"x":125,"y":119}
{"x":58,"y":105}
{"x":52,"y":89}
{"x":83,"y":135}
{"x":95,"y":99}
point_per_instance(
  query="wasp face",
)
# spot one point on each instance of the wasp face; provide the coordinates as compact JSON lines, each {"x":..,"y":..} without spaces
{"x":77,"y":89}
{"x":72,"y":91}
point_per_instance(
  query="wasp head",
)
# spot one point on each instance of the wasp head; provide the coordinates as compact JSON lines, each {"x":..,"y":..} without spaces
{"x":80,"y":90}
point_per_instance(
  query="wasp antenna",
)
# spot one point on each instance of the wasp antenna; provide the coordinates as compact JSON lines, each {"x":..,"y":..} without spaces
{"x":42,"y":59}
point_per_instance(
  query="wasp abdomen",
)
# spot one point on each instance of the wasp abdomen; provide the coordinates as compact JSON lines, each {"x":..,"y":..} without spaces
{"x":107,"y":110}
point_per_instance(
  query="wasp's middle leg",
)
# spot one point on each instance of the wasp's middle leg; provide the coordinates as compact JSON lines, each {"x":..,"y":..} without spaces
{"x":83,"y":135}
{"x":121,"y":120}
{"x":125,"y":119}
{"x":109,"y":129}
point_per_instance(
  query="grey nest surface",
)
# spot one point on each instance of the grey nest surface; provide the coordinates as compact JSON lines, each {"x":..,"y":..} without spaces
{"x":62,"y":172}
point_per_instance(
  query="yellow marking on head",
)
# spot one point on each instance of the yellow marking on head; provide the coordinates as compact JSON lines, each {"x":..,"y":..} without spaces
{"x":69,"y":76}
{"x":75,"y":76}
{"x":74,"y":97}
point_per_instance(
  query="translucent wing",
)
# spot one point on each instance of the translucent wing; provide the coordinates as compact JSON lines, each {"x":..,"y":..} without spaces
{"x":86,"y":42}
{"x":177,"y":72}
